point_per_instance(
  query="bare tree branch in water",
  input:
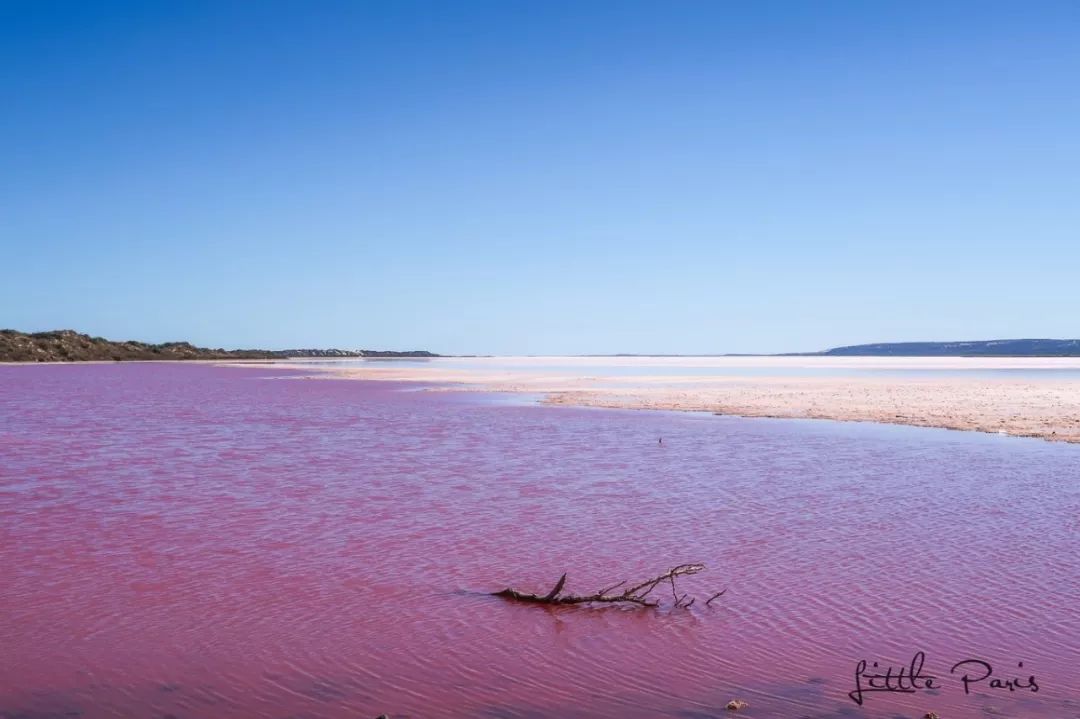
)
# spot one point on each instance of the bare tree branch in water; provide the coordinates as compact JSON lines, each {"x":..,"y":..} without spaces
{"x":637,"y":594}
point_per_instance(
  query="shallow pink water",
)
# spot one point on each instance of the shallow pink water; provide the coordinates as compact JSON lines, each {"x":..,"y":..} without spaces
{"x":207,"y":542}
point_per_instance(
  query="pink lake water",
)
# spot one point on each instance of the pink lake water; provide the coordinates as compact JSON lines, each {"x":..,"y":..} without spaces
{"x":190,"y":541}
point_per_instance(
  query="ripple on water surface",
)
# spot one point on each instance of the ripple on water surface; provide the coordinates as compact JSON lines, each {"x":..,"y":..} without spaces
{"x":211,"y":542}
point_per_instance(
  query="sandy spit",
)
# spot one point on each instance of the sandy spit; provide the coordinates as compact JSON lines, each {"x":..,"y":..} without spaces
{"x":1048,"y":408}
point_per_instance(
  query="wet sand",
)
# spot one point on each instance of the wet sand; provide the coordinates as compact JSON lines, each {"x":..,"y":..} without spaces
{"x":937,"y":394}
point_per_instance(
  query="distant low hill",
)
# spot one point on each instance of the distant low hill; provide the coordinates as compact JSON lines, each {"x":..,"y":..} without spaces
{"x":71,"y":346}
{"x":985,"y":348}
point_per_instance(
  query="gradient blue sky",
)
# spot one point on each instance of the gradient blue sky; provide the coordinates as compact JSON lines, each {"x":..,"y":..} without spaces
{"x":541,"y":177}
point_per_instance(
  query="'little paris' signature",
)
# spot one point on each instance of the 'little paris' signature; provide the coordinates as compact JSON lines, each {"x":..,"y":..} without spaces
{"x":973,"y":675}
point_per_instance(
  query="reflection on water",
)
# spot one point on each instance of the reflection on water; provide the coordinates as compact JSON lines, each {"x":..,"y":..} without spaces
{"x":207,"y":542}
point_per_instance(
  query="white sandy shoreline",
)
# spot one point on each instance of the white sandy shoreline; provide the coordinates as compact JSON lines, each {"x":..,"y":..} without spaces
{"x":1034,"y":405}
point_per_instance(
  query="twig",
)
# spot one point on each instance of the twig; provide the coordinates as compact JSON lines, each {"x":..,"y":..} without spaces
{"x":613,"y":586}
{"x":718,"y":594}
{"x":557,"y":588}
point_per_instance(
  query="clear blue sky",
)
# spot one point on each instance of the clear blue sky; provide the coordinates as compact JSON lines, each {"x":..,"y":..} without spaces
{"x":541,"y":177}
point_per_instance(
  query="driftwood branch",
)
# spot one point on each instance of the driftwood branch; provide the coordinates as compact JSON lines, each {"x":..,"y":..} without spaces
{"x":636,"y":594}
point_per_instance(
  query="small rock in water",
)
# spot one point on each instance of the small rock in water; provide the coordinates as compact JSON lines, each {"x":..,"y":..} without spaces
{"x":931,"y":715}
{"x":736,"y":704}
